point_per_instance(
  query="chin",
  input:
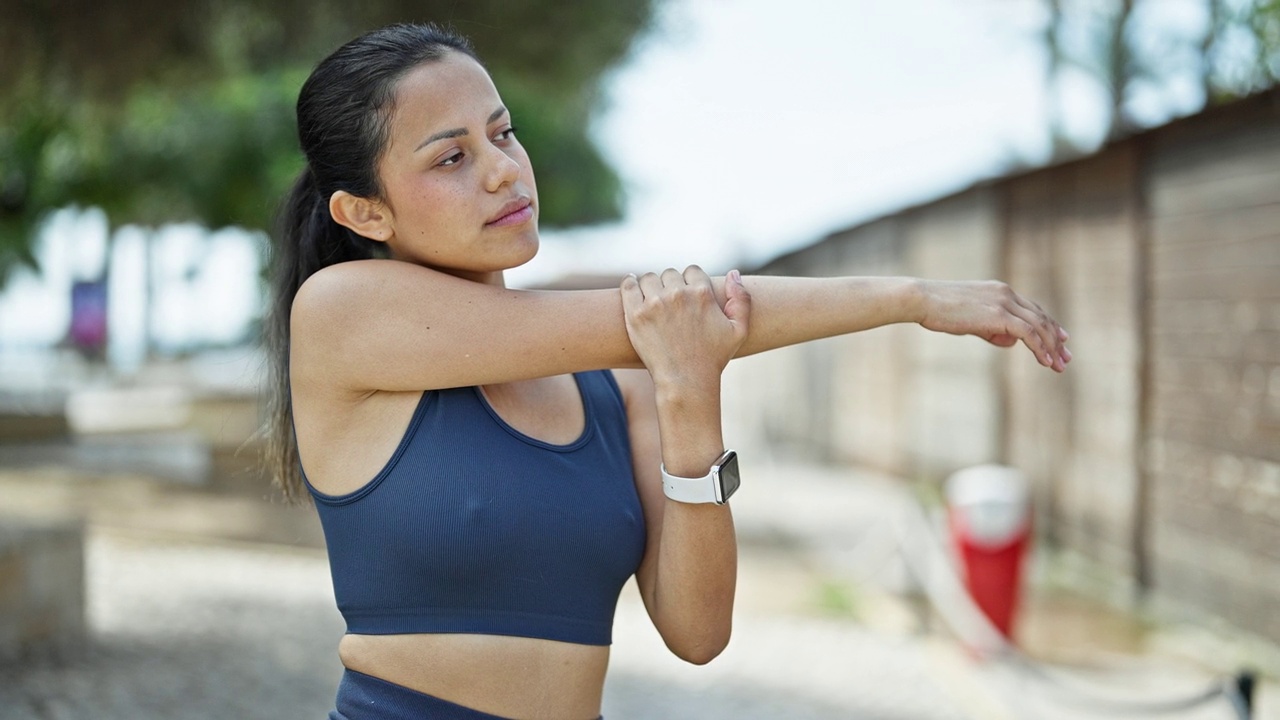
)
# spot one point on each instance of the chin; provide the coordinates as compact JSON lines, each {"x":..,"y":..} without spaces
{"x":526,"y":254}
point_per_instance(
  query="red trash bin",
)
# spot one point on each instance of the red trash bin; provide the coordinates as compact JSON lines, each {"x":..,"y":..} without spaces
{"x":989,"y":517}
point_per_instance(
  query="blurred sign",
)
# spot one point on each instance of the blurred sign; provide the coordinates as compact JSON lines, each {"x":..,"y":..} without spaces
{"x":88,"y":332}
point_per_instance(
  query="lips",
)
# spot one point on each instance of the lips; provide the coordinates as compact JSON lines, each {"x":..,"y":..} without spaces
{"x":512,"y":213}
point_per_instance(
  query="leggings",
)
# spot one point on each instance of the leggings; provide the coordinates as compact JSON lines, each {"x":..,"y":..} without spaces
{"x":364,"y":697}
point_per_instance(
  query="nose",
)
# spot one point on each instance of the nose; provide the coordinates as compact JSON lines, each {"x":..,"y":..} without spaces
{"x":503,"y":169}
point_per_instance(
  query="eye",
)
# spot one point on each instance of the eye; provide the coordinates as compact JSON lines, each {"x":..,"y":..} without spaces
{"x":453,"y":159}
{"x":508,"y":134}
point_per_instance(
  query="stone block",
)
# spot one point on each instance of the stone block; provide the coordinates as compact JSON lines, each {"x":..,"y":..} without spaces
{"x":42,"y":589}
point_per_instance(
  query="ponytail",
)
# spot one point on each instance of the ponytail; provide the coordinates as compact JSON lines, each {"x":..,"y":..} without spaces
{"x":343,"y":113}
{"x":306,"y":240}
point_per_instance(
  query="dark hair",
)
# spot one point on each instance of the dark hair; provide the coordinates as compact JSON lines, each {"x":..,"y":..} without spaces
{"x":344,"y":111}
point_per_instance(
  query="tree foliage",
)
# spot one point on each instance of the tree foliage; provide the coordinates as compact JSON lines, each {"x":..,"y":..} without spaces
{"x":1237,"y":53}
{"x":171,"y":110}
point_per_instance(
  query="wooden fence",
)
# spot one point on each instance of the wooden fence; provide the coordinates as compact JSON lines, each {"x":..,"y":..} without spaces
{"x":1158,"y":454}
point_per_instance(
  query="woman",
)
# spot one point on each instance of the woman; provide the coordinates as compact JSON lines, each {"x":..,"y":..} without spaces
{"x":485,"y":481}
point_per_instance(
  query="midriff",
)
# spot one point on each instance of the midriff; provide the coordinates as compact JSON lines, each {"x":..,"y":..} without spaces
{"x":513,"y":677}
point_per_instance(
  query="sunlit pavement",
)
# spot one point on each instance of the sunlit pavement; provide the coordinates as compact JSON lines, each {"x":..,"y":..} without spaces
{"x":192,"y":630}
{"x":201,"y":630}
{"x":185,"y":626}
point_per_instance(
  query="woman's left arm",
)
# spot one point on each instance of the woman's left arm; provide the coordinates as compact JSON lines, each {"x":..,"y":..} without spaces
{"x":689,"y":571}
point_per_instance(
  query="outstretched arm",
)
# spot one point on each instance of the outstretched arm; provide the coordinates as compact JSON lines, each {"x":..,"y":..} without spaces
{"x":372,"y":325}
{"x":791,"y":310}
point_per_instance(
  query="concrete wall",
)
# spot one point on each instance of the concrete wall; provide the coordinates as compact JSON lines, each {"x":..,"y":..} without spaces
{"x":1072,"y":242}
{"x":952,"y":393}
{"x":812,"y":399}
{"x":893,"y":398}
{"x":1214,"y":333}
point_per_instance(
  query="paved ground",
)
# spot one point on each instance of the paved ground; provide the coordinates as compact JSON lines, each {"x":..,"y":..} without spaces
{"x":201,"y":630}
{"x":190,"y":624}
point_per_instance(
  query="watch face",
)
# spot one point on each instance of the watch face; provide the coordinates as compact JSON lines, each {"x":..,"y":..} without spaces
{"x":728,"y":475}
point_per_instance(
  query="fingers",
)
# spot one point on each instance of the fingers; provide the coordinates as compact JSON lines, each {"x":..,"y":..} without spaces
{"x":673,"y":283}
{"x":677,"y":326}
{"x":632,"y":295}
{"x":1032,"y":333}
{"x":1059,"y":335}
{"x":650,"y":284}
{"x":737,"y":307}
{"x":994,"y":312}
{"x":669,"y":286}
{"x":694,"y":275}
{"x":1043,"y":335}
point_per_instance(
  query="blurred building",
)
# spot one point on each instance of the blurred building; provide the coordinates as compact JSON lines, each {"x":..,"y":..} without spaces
{"x":1157,"y":455}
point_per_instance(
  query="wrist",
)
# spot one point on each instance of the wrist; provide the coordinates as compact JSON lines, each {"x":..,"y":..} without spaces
{"x":689,"y":429}
{"x":684,"y":390}
{"x":915,"y":299}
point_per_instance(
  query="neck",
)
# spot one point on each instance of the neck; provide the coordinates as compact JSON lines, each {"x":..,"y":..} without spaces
{"x":495,"y":278}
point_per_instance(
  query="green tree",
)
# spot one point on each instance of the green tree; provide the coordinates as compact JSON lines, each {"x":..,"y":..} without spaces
{"x":171,"y":110}
{"x":1238,"y":54}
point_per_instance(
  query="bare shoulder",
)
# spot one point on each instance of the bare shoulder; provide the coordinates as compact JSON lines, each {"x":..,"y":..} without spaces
{"x":352,"y":320}
{"x":324,"y":312}
{"x":340,"y":288}
{"x":335,"y":295}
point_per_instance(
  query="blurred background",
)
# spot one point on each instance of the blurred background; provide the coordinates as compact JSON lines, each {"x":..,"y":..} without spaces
{"x":1117,"y":160}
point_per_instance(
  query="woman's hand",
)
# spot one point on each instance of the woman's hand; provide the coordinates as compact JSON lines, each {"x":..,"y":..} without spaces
{"x":678,"y":328}
{"x":997,"y":314}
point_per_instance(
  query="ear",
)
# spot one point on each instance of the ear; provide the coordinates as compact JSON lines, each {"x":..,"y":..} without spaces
{"x":365,"y":217}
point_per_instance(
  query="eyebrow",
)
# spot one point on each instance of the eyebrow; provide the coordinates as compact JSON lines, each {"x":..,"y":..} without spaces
{"x":459,"y":132}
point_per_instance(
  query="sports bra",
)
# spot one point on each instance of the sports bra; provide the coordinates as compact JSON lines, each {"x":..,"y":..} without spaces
{"x":475,"y":527}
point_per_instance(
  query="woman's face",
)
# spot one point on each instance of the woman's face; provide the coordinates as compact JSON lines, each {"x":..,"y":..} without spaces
{"x":457,"y":184}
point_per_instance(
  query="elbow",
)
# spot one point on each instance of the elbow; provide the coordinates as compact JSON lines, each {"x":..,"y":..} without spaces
{"x":702,"y":656}
{"x":702,"y":648}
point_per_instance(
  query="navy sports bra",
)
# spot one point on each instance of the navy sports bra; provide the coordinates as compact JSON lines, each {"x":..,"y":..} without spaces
{"x":474,"y":527}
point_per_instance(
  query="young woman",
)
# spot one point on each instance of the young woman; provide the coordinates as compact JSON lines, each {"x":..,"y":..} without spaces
{"x":491,"y":465}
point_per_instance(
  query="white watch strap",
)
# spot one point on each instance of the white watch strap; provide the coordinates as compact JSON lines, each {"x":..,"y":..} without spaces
{"x":688,"y":490}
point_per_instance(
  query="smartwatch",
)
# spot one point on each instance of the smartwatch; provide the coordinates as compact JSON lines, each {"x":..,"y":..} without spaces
{"x":715,"y":487}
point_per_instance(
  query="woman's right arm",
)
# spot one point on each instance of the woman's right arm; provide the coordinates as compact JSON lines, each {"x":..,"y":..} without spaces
{"x":374,"y":325}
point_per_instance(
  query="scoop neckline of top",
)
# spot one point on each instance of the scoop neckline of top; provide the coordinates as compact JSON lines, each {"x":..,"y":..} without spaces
{"x":588,"y":416}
